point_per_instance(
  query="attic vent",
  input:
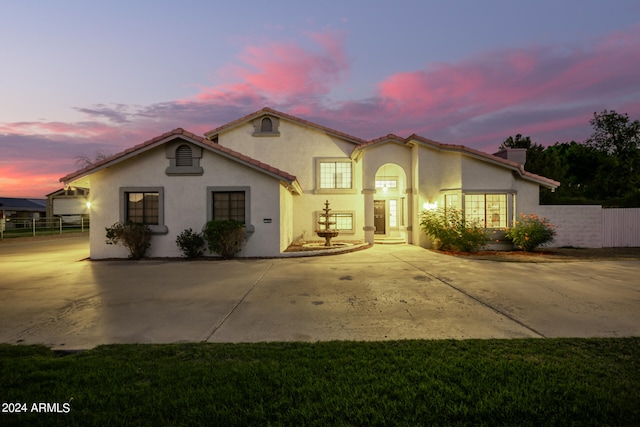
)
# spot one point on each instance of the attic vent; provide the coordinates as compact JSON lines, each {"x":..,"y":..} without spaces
{"x":266,"y":125}
{"x":183,"y":156}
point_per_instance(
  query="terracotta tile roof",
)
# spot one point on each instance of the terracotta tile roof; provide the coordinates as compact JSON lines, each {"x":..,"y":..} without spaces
{"x":179,"y":132}
{"x":486,"y":156}
{"x":462,"y":149}
{"x":267,"y":110}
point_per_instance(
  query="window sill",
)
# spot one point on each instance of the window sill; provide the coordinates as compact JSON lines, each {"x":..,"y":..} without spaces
{"x":335,"y":191}
{"x":158,"y":229}
{"x":266,"y":134}
{"x":184,"y":170}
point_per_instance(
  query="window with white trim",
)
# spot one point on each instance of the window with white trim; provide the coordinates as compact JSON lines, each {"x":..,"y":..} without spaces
{"x":336,"y":175}
{"x":490,"y":210}
{"x":344,"y":221}
{"x":393,"y":213}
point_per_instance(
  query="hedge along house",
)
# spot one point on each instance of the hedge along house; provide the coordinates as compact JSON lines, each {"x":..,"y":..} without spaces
{"x":273,"y":172}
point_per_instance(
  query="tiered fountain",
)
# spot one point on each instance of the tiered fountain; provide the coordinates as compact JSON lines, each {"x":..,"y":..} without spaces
{"x":326,"y":223}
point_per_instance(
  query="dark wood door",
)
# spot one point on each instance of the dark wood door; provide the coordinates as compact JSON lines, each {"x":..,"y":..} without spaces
{"x":379,"y":216}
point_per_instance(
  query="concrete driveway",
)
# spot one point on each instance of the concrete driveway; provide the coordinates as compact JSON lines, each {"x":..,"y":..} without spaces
{"x":50,"y":294}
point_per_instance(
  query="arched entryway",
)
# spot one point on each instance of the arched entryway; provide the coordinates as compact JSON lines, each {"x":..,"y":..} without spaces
{"x":390,"y":205}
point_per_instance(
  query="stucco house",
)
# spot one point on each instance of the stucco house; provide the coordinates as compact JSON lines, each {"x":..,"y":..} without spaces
{"x":273,"y":172}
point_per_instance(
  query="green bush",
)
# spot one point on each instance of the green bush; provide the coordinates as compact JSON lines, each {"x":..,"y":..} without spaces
{"x":135,"y":237}
{"x":225,"y":237}
{"x":449,"y":230}
{"x":530,"y":232}
{"x":191,"y":244}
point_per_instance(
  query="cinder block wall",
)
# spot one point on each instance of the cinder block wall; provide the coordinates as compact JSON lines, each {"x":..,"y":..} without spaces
{"x":577,"y":226}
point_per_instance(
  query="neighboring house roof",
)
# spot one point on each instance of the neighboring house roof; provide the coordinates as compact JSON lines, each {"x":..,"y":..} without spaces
{"x":198,"y":140}
{"x":243,"y":120}
{"x":23,"y":205}
{"x":413,"y":139}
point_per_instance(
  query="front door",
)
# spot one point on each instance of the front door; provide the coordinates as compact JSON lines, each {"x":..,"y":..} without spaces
{"x":379,"y":216}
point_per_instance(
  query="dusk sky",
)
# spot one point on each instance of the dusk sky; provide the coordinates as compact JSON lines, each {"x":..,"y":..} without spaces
{"x":77,"y":77}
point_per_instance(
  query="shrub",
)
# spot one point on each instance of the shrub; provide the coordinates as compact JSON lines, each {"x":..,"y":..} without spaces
{"x":449,"y":230}
{"x":135,"y":237}
{"x":191,"y":244}
{"x":530,"y":232}
{"x":225,"y":237}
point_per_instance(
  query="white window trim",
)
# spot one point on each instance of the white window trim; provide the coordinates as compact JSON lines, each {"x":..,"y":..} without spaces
{"x":510,"y":196}
{"x":319,"y":190}
{"x":161,"y":228}
{"x":318,"y":218}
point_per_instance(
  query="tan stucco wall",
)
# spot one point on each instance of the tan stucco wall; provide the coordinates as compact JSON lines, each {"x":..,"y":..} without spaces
{"x":425,"y":173}
{"x":286,"y":218}
{"x":295,"y":151}
{"x":185,"y":202}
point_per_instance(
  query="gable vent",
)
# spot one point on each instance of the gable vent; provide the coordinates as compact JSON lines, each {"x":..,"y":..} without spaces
{"x":184,"y":156}
{"x":266,"y":125}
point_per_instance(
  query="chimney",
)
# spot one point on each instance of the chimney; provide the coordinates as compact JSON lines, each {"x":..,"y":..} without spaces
{"x":518,"y":155}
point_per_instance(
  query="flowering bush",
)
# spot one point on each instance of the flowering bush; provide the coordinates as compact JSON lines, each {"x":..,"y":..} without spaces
{"x":449,"y":230}
{"x":530,"y":232}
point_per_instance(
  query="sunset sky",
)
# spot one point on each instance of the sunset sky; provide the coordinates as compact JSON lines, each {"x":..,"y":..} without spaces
{"x":78,"y":77}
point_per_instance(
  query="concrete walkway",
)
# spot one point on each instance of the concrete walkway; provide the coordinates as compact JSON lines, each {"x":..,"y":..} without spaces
{"x":50,"y":294}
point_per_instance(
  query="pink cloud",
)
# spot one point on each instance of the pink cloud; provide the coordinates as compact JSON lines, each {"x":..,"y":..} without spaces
{"x":547,"y":92}
{"x":490,"y":85}
{"x":28,"y":179}
{"x":281,"y":71}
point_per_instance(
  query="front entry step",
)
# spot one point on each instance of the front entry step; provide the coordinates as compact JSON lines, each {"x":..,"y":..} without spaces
{"x":383,"y":240}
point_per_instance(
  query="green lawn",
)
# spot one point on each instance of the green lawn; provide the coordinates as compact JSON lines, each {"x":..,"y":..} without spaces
{"x":473,"y":382}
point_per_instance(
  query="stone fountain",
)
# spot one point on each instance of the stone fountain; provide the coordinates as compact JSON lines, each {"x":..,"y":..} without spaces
{"x":325,"y":222}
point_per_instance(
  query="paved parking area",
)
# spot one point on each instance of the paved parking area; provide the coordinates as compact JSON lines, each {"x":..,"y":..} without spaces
{"x":51,"y":294}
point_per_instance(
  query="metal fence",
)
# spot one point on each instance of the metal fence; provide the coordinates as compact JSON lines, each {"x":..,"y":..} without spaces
{"x":620,"y":228}
{"x":21,"y":227}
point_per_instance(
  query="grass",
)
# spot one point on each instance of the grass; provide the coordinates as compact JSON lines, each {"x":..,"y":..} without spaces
{"x":471,"y":382}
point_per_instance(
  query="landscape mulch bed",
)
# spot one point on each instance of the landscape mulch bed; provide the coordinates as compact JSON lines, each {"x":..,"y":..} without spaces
{"x":553,"y":255}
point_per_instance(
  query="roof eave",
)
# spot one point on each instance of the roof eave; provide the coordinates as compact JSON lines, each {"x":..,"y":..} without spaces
{"x":280,"y":115}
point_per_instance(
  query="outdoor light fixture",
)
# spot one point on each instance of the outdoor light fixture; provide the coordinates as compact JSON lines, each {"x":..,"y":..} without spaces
{"x":88,"y":205}
{"x":430,"y":206}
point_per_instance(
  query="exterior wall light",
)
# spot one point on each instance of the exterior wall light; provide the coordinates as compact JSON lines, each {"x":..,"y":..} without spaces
{"x":430,"y":206}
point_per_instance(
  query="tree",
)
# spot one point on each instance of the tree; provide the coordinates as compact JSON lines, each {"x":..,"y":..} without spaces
{"x":536,"y":159}
{"x":605,"y":169}
{"x":518,"y":142}
{"x":615,"y":134}
{"x":617,"y":137}
{"x":83,"y":161}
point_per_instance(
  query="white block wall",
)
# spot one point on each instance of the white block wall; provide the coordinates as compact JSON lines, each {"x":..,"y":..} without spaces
{"x":577,"y":226}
